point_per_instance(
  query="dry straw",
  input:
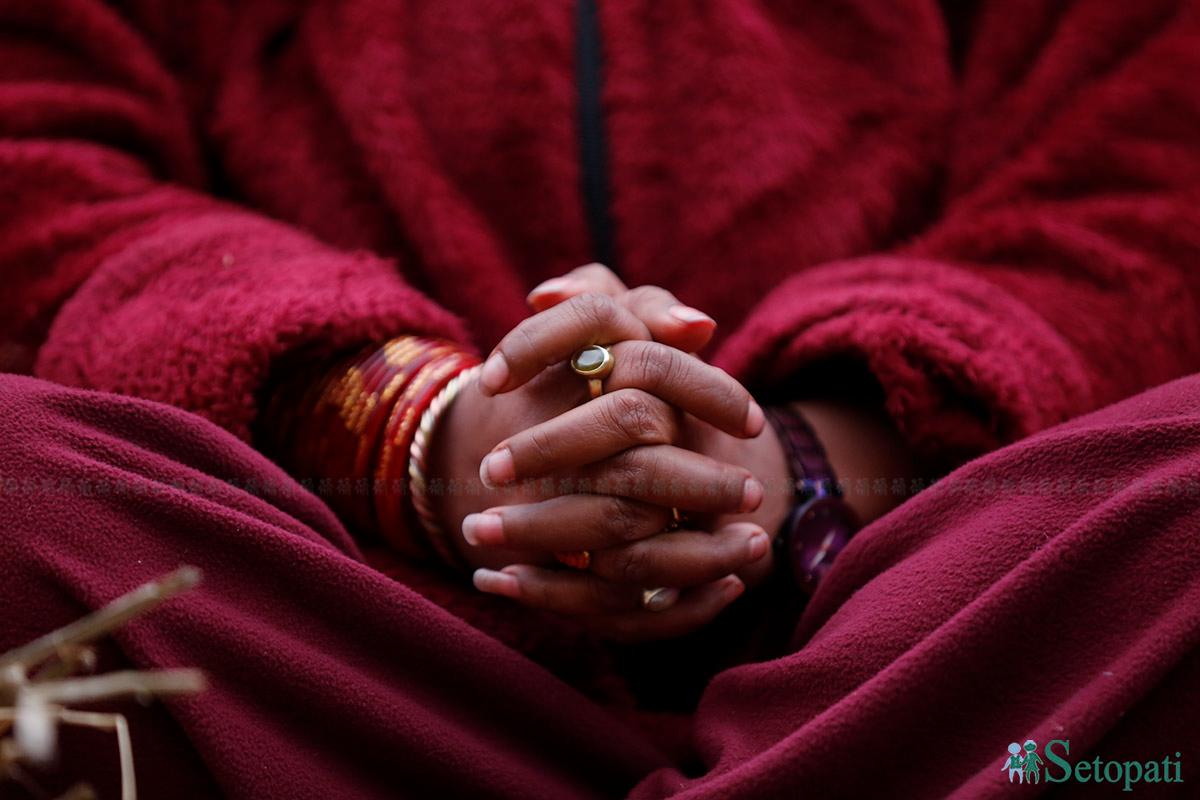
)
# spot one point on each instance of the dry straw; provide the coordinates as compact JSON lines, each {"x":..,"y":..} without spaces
{"x":40,"y":683}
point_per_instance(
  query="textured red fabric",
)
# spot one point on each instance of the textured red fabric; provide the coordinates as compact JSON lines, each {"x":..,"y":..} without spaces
{"x":998,"y":219}
{"x":968,"y":618}
{"x":330,"y":679}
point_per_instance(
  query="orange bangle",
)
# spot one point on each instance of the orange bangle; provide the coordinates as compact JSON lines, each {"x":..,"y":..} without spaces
{"x":352,"y":428}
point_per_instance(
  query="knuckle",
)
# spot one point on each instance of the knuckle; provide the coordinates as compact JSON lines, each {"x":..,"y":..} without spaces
{"x":628,"y":471}
{"x":632,"y":565}
{"x":650,"y":365}
{"x":595,"y":310}
{"x":637,"y":417}
{"x":539,"y":444}
{"x":628,"y":521}
{"x":733,"y":394}
{"x":648,"y":519}
{"x":522,"y":343}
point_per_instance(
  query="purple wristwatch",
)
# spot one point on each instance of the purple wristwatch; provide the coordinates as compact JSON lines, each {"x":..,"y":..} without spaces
{"x":820,"y":524}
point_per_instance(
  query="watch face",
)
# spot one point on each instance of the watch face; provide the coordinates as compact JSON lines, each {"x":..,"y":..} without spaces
{"x":820,"y":530}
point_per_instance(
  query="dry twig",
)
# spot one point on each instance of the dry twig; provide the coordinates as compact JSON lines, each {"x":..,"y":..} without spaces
{"x":36,"y":686}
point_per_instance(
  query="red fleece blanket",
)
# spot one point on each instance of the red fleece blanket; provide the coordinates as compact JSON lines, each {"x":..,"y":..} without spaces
{"x":1049,"y":591}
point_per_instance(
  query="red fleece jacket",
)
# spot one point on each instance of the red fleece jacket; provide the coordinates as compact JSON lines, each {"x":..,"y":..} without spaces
{"x":997,"y":215}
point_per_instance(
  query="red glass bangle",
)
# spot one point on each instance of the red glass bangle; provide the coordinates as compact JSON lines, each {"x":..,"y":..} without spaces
{"x":347,"y":432}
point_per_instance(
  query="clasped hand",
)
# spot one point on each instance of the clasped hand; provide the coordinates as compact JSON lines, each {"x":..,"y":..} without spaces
{"x":547,"y":470}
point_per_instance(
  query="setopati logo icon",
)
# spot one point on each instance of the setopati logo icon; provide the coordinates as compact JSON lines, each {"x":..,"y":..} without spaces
{"x":1023,"y":762}
{"x":1024,"y":765}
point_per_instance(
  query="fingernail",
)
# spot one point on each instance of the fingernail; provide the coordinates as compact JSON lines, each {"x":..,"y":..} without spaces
{"x":732,"y":588}
{"x":662,"y":599}
{"x":754,"y":419}
{"x":690,"y":315}
{"x":494,"y":374}
{"x":497,"y":468}
{"x":756,"y":546}
{"x":493,"y":582}
{"x":483,"y":529}
{"x":752,"y":494}
{"x":552,"y":286}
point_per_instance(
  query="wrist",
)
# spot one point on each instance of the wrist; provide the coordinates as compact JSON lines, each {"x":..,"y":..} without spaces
{"x":820,"y":523}
{"x":465,"y":435}
{"x":349,"y":432}
{"x":453,"y":463}
{"x":866,"y":453}
{"x":850,"y":465}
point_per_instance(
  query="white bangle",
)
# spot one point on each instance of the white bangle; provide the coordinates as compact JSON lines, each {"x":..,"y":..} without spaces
{"x":417,"y":456}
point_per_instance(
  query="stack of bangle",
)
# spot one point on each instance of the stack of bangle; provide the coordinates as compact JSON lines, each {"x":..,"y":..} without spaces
{"x":366,"y":426}
{"x":820,"y":523}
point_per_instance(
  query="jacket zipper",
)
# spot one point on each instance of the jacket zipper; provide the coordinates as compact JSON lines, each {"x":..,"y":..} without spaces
{"x":592,"y":145}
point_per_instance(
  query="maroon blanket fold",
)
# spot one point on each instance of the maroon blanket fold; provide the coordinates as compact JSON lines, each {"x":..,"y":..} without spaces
{"x":1048,"y":591}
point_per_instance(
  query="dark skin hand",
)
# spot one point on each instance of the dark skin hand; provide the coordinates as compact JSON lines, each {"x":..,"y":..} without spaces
{"x":859,"y":437}
{"x":631,"y":446}
{"x":669,"y":431}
